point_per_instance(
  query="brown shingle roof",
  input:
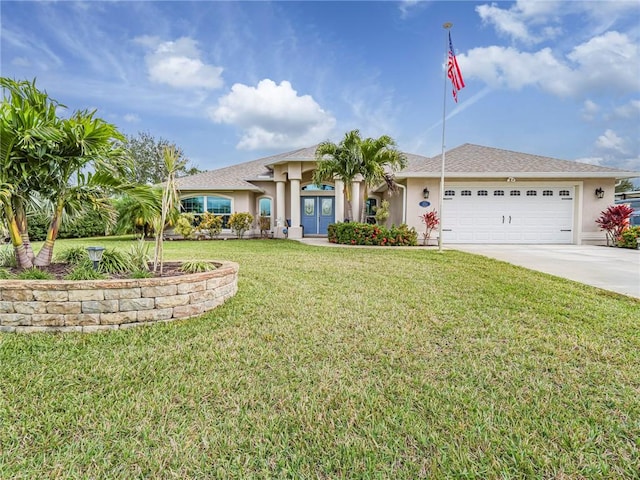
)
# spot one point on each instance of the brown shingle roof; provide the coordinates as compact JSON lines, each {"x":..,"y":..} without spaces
{"x":463,"y":161}
{"x":475,"y":159}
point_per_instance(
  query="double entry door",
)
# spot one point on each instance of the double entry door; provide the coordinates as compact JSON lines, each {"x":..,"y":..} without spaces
{"x":317,"y":213}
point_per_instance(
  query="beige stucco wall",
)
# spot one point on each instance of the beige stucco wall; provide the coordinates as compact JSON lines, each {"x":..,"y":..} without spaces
{"x":587,"y":206}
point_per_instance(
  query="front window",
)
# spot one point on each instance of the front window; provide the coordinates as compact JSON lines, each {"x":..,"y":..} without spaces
{"x":217,"y":205}
{"x":371,"y":205}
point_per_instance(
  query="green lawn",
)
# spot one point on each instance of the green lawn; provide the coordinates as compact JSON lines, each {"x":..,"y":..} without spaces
{"x":338,"y":363}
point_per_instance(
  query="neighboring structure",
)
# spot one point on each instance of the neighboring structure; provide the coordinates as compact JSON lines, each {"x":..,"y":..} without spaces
{"x":490,"y":195}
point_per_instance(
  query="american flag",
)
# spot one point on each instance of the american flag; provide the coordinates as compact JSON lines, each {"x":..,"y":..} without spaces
{"x":453,"y":71}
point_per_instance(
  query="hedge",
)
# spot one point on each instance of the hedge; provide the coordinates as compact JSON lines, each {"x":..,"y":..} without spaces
{"x":354,"y":233}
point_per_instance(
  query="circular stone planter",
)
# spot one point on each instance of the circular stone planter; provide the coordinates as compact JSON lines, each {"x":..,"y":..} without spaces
{"x":88,"y":306}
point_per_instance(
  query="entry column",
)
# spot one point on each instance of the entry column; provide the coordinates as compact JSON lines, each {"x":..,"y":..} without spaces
{"x":280,"y":207}
{"x":339,"y":193}
{"x":295,"y":231}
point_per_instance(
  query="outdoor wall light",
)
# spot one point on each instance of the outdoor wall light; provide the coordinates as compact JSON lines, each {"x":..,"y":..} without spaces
{"x":95,"y":255}
{"x":599,"y":192}
{"x":425,"y":193}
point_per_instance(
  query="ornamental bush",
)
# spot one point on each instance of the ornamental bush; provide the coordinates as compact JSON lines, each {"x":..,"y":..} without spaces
{"x":630,"y":237}
{"x":240,"y":223}
{"x":354,"y":233}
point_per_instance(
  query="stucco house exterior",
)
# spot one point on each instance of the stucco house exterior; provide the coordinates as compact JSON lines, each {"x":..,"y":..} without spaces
{"x":490,"y":196}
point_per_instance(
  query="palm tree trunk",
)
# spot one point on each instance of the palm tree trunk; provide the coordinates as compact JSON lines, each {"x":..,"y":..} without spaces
{"x":46,"y":252}
{"x":21,"y":221}
{"x":347,"y":194}
{"x":22,"y":258}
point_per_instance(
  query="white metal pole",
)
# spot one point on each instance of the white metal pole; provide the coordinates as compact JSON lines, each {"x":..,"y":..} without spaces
{"x":446,"y":26}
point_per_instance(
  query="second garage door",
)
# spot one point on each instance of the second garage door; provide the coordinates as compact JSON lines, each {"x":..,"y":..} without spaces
{"x":498,"y":214}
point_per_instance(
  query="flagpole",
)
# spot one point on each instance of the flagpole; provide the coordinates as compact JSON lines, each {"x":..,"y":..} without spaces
{"x":446,"y":26}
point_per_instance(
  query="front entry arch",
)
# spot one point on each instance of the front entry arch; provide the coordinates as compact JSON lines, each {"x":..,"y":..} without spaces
{"x":316,"y":214}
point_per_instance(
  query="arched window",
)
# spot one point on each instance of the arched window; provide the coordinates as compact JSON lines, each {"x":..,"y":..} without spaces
{"x":204,"y":203}
{"x":264,"y":207}
{"x":318,"y":188}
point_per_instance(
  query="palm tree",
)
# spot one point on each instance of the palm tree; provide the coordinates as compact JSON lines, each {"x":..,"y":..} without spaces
{"x":72,"y":164}
{"x":170,"y":200}
{"x":341,"y":161}
{"x":375,"y":159}
{"x":379,"y":161}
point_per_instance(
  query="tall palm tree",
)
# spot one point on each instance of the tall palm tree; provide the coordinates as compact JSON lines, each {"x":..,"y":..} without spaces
{"x":341,"y":161}
{"x":375,"y":159}
{"x":73,"y":164}
{"x":379,"y":161}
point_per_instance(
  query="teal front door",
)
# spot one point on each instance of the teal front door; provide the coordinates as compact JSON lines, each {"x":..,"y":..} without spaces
{"x":317,"y":213}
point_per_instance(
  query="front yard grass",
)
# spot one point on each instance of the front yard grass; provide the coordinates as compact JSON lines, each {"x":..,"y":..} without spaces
{"x":338,"y":363}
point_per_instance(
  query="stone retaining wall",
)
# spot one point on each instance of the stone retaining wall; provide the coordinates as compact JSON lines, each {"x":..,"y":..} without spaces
{"x":93,"y":305}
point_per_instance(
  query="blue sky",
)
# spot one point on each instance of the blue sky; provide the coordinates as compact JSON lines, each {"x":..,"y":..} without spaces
{"x":235,"y":81}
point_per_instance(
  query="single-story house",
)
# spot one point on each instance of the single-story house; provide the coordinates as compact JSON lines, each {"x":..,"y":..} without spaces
{"x":490,"y":196}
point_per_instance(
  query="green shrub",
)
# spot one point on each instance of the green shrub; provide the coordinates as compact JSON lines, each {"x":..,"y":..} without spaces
{"x":141,"y":274}
{"x":629,"y":237}
{"x":91,"y":224}
{"x":354,"y":233}
{"x":195,"y":266}
{"x":212,"y":224}
{"x":72,"y":255}
{"x":184,"y":225}
{"x":240,"y":223}
{"x":7,"y":256}
{"x":35,"y":274}
{"x":37,"y":226}
{"x":84,"y":272}
{"x":114,"y":261}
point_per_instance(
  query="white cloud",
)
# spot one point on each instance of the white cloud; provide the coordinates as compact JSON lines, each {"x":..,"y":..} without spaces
{"x":131,"y":118}
{"x":273,"y":116}
{"x":604,"y":62}
{"x":610,"y":141}
{"x":589,"y":110}
{"x":178,"y":64}
{"x":516,"y":21}
{"x":407,"y":6}
{"x":630,"y":110}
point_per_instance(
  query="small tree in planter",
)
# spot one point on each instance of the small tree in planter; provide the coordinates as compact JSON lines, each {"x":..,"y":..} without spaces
{"x":431,"y":221}
{"x":240,"y":223}
{"x":614,"y":220}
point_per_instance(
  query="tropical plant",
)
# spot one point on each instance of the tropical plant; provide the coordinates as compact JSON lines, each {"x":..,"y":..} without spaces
{"x":139,"y":255}
{"x":170,"y":201}
{"x":630,"y":237}
{"x":240,"y":222}
{"x":195,"y":266}
{"x":184,"y":225}
{"x":137,"y":217}
{"x":379,"y":160}
{"x":84,"y":272}
{"x":7,"y":256}
{"x":114,"y":261}
{"x":6,"y":274}
{"x":73,"y":255}
{"x":375,"y":159}
{"x":339,"y":161}
{"x":71,"y":164}
{"x":212,"y":224}
{"x":382,"y":212}
{"x":431,"y":221}
{"x":34,"y":273}
{"x":613,"y":221}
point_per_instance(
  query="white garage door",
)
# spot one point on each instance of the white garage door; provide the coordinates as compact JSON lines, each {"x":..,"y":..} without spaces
{"x":486,"y":214}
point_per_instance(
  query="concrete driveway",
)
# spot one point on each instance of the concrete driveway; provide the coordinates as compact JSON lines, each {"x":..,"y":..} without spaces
{"x":615,"y":269}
